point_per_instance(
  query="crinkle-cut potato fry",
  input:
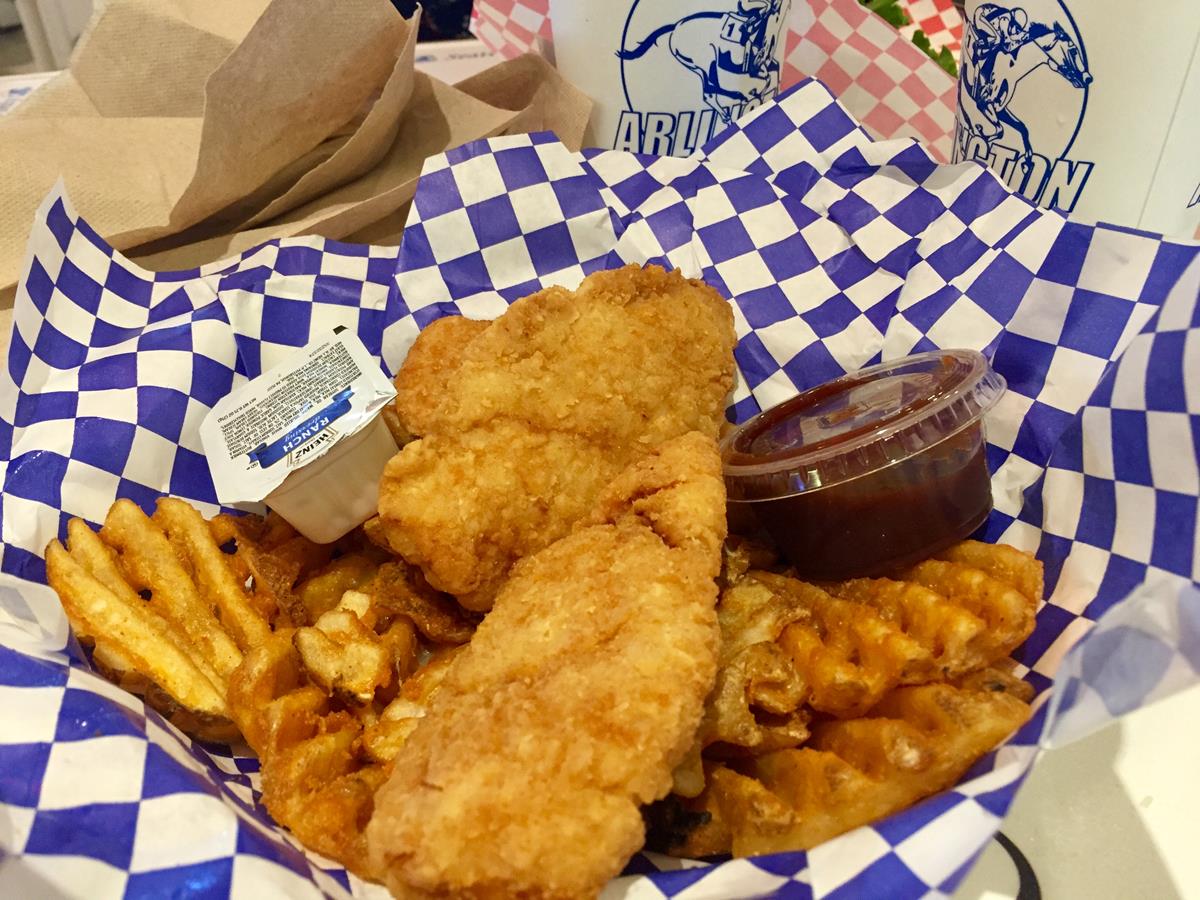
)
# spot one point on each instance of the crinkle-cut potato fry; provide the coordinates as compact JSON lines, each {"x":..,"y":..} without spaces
{"x":200,"y":594}
{"x":918,"y":741}
{"x":198,"y":550}
{"x":321,"y":765}
{"x":1014,"y":567}
{"x":740,"y":555}
{"x":997,"y":678}
{"x":403,"y":591}
{"x":312,"y":774}
{"x":846,"y":653}
{"x":323,"y":590}
{"x":758,"y":697}
{"x":383,"y":739}
{"x":358,"y":650}
{"x":135,"y":647}
{"x":957,"y":638}
{"x":147,"y":560}
{"x":344,"y":657}
{"x":938,"y":620}
{"x":266,"y":576}
{"x":1009,"y":614}
{"x":760,"y":679}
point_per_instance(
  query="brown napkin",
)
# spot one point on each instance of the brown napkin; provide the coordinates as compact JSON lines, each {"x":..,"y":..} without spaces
{"x":189,"y":131}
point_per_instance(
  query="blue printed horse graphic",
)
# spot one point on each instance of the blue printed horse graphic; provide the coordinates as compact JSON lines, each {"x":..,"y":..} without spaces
{"x":1002,"y":47}
{"x":717,"y":44}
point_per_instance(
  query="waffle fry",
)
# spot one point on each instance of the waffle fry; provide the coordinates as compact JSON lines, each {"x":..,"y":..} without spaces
{"x":402,"y":590}
{"x":1007,"y":612}
{"x":791,"y":649}
{"x":740,"y":555}
{"x":240,"y":625}
{"x":1014,"y":567}
{"x":835,"y":704}
{"x":322,"y":760}
{"x":133,"y":645}
{"x":756,"y":703}
{"x":937,"y":621}
{"x":916,"y":742}
{"x":324,"y":590}
{"x":954,"y":637}
{"x":165,"y":617}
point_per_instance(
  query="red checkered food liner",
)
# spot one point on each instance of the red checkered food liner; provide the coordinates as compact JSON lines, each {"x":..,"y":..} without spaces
{"x":881,"y":78}
{"x":939,"y":20}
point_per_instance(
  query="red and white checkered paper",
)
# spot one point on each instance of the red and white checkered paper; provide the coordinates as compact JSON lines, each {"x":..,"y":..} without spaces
{"x":881,"y":78}
{"x":938,"y":19}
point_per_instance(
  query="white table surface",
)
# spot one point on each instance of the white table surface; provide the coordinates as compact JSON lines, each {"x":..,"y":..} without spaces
{"x":1111,"y":816}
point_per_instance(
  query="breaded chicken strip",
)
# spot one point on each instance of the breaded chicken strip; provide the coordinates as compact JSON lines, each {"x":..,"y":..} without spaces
{"x":435,"y":355}
{"x":575,"y":699}
{"x":524,"y":419}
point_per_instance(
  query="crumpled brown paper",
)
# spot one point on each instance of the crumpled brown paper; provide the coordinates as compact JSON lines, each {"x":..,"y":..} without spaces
{"x":192,"y":130}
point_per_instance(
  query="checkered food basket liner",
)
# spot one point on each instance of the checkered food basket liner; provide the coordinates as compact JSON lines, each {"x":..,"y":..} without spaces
{"x":884,"y":81}
{"x":836,"y":252}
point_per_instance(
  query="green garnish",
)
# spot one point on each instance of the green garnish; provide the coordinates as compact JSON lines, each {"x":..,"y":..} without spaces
{"x":943,"y":57}
{"x":890,"y":10}
{"x":893,"y":13}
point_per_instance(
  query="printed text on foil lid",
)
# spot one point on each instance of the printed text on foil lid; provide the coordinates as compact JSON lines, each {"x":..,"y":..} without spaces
{"x":317,"y":381}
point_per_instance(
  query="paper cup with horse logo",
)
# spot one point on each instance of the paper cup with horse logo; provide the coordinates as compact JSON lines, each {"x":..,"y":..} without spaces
{"x":1089,"y":106}
{"x":666,"y":75}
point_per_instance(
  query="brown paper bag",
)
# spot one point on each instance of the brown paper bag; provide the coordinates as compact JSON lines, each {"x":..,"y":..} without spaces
{"x":290,"y":118}
{"x":521,"y":95}
{"x":146,"y":151}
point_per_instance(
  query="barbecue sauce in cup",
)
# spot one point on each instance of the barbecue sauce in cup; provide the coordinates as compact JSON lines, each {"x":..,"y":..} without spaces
{"x":872,"y":471}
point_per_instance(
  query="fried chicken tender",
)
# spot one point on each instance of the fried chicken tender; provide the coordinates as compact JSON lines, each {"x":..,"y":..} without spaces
{"x":523,"y":420}
{"x":577,"y":696}
{"x":434,"y":357}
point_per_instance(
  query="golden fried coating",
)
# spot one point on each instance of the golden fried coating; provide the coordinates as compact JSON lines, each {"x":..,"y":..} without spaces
{"x":309,"y":703}
{"x":916,"y":742}
{"x":422,"y":382}
{"x":466,"y":506}
{"x":576,"y":698}
{"x":242,"y":625}
{"x":522,"y":422}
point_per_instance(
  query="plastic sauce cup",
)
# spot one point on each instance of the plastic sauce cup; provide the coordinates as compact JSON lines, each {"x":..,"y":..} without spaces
{"x":873,"y":471}
{"x":306,"y":436}
{"x":338,"y":492}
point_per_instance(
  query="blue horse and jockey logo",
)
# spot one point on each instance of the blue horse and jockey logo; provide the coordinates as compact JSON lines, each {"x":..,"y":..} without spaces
{"x":1003,"y":48}
{"x":733,"y":54}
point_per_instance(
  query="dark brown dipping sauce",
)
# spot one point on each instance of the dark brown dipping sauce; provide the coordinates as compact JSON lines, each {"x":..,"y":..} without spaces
{"x":872,"y":471}
{"x":886,"y":520}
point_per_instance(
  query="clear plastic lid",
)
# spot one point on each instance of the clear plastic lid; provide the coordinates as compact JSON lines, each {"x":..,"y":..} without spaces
{"x":858,"y":424}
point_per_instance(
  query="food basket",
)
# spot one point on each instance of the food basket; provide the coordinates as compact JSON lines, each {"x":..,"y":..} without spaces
{"x":836,"y":251}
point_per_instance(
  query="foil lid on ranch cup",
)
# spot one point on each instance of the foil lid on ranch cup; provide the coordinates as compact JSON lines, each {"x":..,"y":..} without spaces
{"x":306,"y":438}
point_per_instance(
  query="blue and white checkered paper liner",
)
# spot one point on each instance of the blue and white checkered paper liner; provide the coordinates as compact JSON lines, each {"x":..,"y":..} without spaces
{"x":836,"y":252}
